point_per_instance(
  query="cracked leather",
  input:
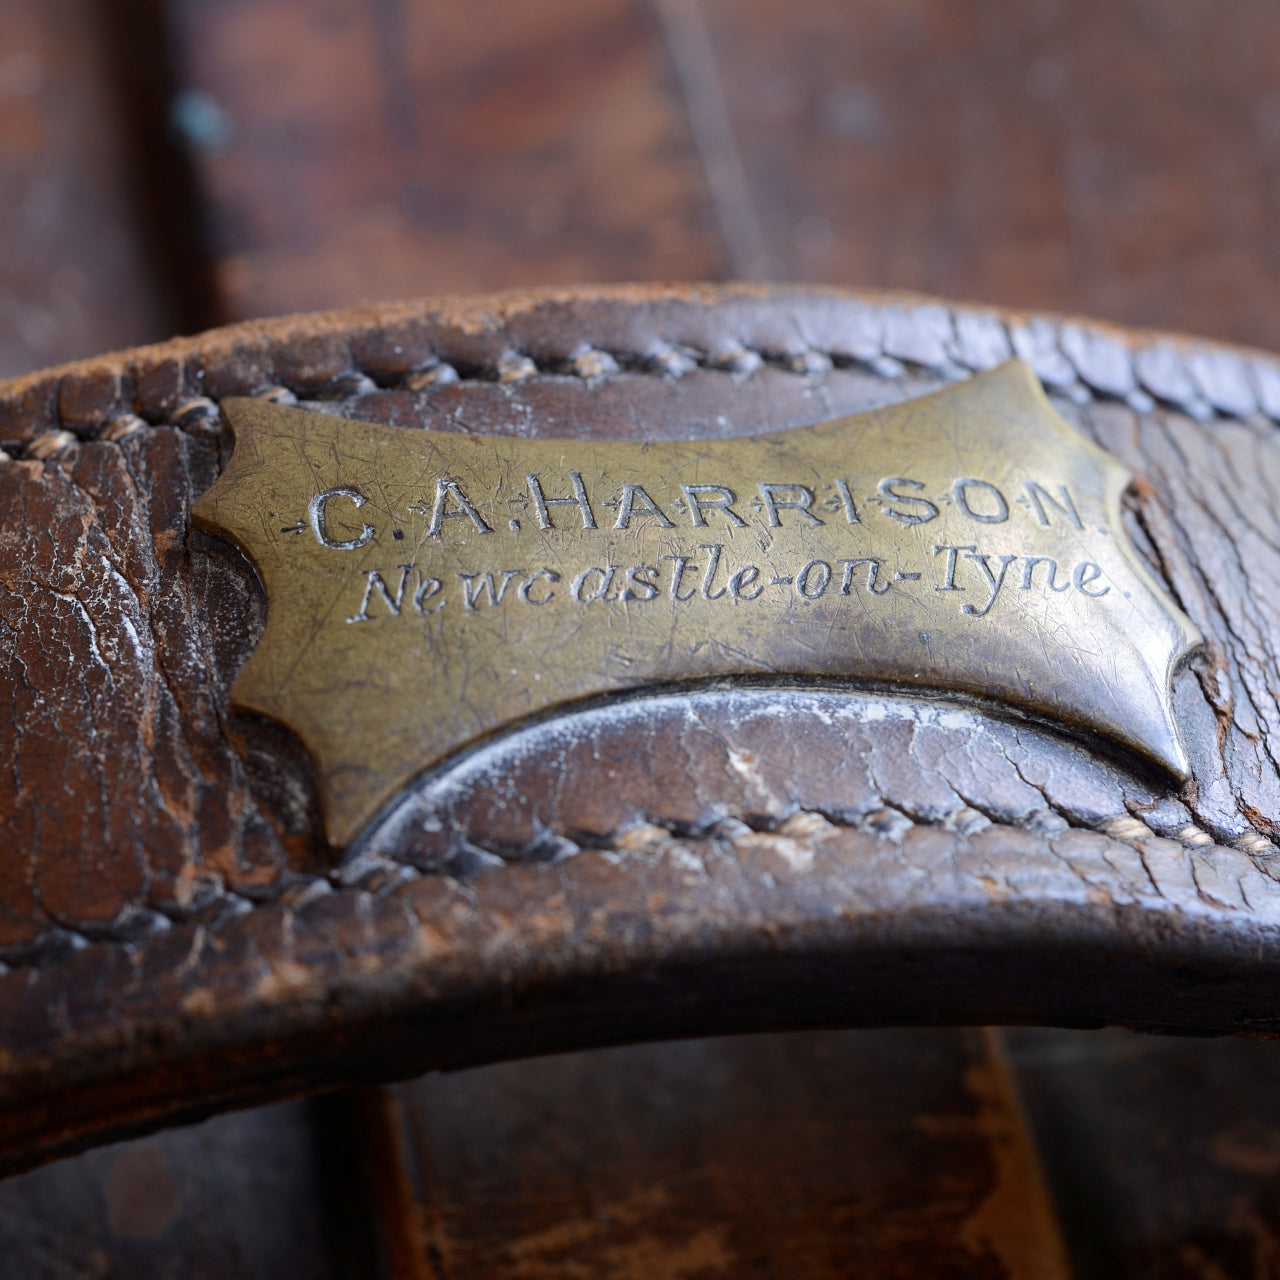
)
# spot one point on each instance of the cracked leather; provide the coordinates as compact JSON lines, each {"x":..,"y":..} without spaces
{"x":175,"y":936}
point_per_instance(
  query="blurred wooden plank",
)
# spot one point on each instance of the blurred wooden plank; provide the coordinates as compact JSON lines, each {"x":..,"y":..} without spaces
{"x":372,"y":150}
{"x":1163,"y":1154}
{"x":695,"y":62}
{"x":1116,"y":157}
{"x":74,"y":276}
{"x":811,"y":1156}
{"x":235,"y":1196}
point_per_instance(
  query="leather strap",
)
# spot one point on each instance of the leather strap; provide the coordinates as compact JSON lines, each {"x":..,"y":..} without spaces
{"x":177,"y":938}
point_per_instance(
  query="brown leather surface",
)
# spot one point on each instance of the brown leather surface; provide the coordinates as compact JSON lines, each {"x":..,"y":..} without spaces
{"x":706,"y":860}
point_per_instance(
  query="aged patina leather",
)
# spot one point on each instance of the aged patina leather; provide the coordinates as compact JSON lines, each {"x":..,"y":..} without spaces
{"x":178,"y":937}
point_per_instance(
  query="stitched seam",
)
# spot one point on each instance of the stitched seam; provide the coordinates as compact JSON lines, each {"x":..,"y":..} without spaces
{"x":376,"y":874}
{"x":1078,"y":361}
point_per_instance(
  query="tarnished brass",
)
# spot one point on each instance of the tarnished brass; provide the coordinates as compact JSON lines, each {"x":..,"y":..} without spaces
{"x":425,"y":589}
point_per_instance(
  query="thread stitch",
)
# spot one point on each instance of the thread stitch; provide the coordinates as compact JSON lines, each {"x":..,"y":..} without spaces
{"x":1075,"y":360}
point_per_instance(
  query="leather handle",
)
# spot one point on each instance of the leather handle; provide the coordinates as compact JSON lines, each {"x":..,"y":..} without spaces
{"x":178,"y":937}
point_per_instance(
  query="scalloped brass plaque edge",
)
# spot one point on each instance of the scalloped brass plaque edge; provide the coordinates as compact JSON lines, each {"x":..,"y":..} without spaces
{"x":425,"y":589}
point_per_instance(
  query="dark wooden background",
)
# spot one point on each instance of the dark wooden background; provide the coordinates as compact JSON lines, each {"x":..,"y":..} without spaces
{"x":167,"y":164}
{"x":170,"y":164}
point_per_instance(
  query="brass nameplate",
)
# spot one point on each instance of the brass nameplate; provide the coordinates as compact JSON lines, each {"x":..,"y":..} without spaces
{"x":425,"y":589}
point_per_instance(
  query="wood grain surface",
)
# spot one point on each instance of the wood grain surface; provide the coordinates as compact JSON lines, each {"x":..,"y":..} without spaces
{"x":75,"y":272}
{"x":384,"y":150}
{"x":823,"y":1155}
{"x":1162,"y":1157}
{"x":1119,"y":160}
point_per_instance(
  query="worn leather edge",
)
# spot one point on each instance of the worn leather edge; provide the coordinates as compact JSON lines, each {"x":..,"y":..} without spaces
{"x":330,"y":352}
{"x":400,"y":1003}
